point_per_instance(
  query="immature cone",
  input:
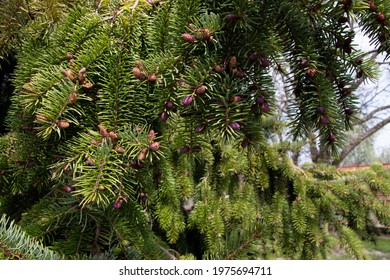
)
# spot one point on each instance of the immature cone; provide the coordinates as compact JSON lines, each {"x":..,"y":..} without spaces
{"x":231,"y":18}
{"x":349,"y":111}
{"x":152,"y":78}
{"x":62,"y":124}
{"x":235,"y":125}
{"x":245,"y":143}
{"x":260,"y":100}
{"x":164,"y":116}
{"x":253,"y":57}
{"x":324,"y":120}
{"x":381,"y":18}
{"x":144,"y":196}
{"x":304,"y":63}
{"x":332,"y":138}
{"x":151,"y":135}
{"x":188,"y":38}
{"x":182,"y":83}
{"x":265,"y":62}
{"x":200,"y":90}
{"x":68,"y":189}
{"x":239,"y":73}
{"x":184,"y":149}
{"x":237,"y":98}
{"x":358,"y":61}
{"x":311,"y":72}
{"x":169,"y":105}
{"x":320,"y":110}
{"x":155,"y":146}
{"x":138,"y":74}
{"x":187,"y":100}
{"x":117,"y":204}
{"x":199,"y":128}
{"x":265,"y":107}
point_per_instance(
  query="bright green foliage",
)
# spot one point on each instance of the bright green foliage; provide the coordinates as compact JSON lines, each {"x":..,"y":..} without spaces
{"x":140,"y":130}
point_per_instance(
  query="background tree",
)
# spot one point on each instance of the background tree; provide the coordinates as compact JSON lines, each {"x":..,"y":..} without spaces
{"x":142,"y":129}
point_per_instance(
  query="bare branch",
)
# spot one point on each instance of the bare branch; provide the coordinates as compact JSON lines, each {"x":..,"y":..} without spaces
{"x":373,"y":113}
{"x":358,"y":140}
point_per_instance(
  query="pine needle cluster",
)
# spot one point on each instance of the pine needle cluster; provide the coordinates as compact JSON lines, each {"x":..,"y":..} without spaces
{"x":139,"y":130}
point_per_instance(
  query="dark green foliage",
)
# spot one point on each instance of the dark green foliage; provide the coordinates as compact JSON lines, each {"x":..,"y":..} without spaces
{"x":140,"y":131}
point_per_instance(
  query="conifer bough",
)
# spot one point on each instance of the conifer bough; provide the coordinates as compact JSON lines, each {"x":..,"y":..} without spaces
{"x":97,"y":86}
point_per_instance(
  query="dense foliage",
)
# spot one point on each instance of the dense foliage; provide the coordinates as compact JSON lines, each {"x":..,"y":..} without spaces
{"x":139,"y":129}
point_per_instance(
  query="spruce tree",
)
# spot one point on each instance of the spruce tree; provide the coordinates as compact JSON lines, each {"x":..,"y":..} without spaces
{"x":140,"y":129}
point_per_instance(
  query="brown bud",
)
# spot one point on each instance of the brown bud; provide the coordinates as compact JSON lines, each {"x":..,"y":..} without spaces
{"x":113,"y":135}
{"x":81,"y":75}
{"x":69,"y":75}
{"x":69,"y":56}
{"x":102,"y":130}
{"x":94,"y":142}
{"x":142,"y":154}
{"x":155,"y":146}
{"x":72,"y":99}
{"x":88,"y":85}
{"x":101,"y":188}
{"x":62,"y":124}
{"x":233,"y":62}
{"x":151,"y":135}
{"x":119,"y":149}
{"x":206,"y":35}
{"x":138,"y":74}
{"x":152,"y":78}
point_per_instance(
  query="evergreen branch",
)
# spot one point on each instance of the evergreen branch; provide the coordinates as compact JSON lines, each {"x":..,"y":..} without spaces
{"x":15,"y":239}
{"x":255,"y":235}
